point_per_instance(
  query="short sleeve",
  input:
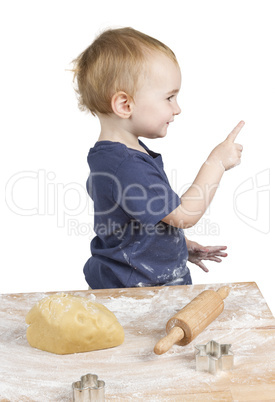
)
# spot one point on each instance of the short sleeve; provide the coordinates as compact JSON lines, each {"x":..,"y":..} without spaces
{"x":142,"y":190}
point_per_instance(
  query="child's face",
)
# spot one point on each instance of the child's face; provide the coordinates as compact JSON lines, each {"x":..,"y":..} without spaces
{"x":155,"y":102}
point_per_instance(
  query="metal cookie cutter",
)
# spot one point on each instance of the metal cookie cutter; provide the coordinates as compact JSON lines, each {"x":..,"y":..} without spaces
{"x":214,"y":357}
{"x":89,"y":388}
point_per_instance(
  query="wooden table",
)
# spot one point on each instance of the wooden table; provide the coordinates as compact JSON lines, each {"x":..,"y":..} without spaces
{"x":132,"y":371}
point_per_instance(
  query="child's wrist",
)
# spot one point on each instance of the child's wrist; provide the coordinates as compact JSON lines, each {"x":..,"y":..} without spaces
{"x":215,"y":162}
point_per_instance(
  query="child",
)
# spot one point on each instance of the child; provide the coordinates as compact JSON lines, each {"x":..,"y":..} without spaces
{"x":130,"y":81}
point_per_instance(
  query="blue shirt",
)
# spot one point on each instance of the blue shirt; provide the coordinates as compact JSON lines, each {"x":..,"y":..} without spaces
{"x":131,"y":196}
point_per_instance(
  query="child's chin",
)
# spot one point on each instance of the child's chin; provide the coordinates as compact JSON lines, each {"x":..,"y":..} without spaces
{"x":163,"y":134}
{"x":156,"y":135}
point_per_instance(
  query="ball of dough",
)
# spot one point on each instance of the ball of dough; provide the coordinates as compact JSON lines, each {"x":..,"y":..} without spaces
{"x":65,"y":324}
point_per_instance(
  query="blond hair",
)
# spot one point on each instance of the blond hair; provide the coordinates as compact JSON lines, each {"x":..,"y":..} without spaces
{"x":112,"y":63}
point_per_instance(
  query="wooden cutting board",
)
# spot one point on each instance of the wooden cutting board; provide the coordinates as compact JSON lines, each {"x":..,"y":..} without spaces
{"x":132,"y":371}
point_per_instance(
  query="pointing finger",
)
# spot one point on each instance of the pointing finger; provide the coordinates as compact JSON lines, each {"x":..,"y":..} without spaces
{"x":232,"y":136}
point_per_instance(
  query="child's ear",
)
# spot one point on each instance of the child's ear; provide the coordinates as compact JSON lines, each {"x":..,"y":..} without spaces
{"x":122,"y":104}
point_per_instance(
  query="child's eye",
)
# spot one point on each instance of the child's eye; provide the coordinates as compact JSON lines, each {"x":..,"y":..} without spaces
{"x":170,"y":98}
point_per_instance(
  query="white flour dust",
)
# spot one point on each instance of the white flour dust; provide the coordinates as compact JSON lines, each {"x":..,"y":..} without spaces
{"x":132,"y":370}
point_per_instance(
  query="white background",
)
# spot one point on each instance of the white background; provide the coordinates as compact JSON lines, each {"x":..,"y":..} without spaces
{"x":226,"y":53}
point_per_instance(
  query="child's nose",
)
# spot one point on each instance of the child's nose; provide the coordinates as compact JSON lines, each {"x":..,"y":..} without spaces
{"x":177,"y":109}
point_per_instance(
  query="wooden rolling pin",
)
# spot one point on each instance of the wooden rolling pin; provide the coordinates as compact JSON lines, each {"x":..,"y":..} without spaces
{"x":193,"y":319}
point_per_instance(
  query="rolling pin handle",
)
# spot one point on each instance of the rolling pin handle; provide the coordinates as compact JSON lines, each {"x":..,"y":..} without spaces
{"x":223,"y":291}
{"x":175,"y":335}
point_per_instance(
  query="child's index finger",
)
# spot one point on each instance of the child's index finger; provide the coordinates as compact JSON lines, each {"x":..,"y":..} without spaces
{"x":233,"y":135}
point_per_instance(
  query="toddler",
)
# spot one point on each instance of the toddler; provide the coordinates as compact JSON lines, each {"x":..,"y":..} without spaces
{"x":130,"y":81}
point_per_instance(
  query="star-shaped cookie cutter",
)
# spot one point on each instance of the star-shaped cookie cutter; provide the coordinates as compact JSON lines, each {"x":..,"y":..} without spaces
{"x":89,"y":388}
{"x":214,"y":357}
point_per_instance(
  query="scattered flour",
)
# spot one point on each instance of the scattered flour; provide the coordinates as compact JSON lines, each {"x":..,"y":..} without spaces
{"x":132,"y":370}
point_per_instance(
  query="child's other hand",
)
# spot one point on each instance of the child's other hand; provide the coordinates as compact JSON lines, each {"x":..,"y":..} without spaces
{"x":228,"y":153}
{"x":197,"y":253}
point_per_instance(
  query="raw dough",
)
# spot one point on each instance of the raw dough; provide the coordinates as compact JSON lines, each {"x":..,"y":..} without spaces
{"x":65,"y":324}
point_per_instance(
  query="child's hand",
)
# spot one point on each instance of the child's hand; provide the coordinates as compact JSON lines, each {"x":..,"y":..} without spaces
{"x":197,"y":253}
{"x":228,"y":153}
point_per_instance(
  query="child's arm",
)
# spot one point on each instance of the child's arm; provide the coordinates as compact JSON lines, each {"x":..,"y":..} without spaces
{"x":198,"y":197}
